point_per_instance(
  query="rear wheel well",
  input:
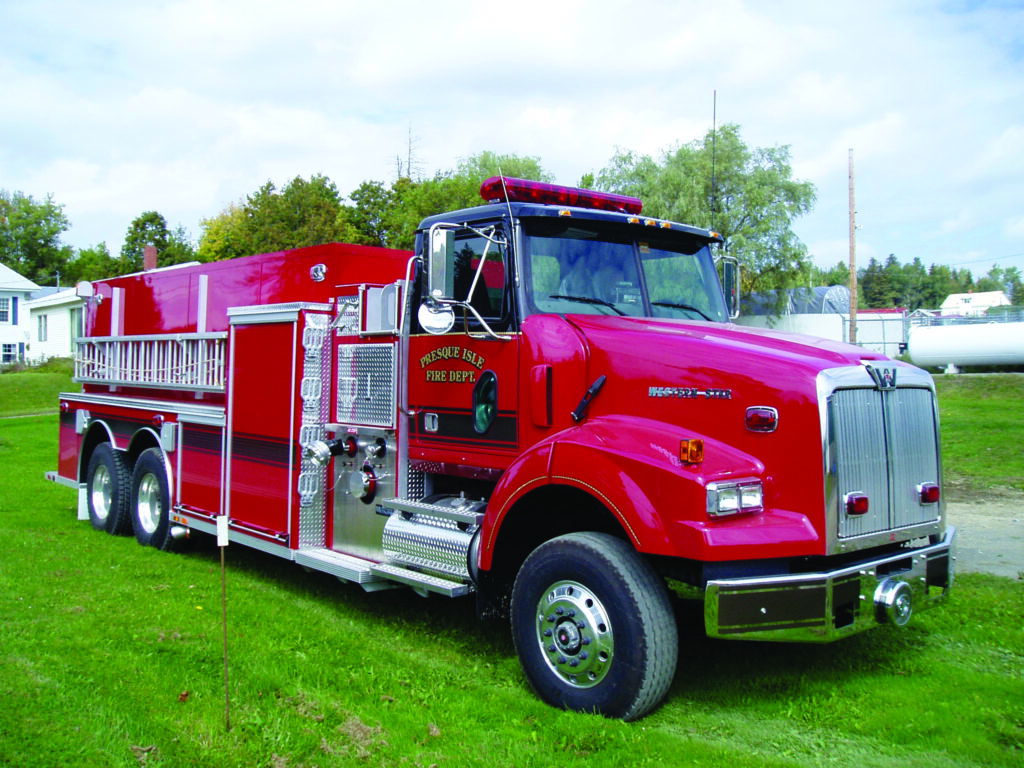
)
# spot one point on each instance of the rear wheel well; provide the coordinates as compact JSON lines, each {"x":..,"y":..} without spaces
{"x":539,"y":516}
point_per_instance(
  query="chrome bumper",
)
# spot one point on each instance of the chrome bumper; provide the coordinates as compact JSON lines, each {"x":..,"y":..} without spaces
{"x":826,"y":606}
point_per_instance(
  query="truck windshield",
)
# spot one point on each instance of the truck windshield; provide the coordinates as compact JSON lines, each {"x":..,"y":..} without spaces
{"x":612,"y":269}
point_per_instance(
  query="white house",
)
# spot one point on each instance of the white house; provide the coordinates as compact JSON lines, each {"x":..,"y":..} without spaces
{"x":15,"y":330}
{"x":55,"y":320}
{"x":971,"y":304}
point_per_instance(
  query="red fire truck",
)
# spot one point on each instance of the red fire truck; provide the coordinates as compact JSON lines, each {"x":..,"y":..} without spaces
{"x":544,"y":405}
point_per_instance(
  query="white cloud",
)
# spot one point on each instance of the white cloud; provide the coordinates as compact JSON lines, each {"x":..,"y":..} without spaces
{"x":117,"y":107}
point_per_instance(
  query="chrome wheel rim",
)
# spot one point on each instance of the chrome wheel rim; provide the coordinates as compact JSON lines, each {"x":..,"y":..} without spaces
{"x":575,"y":635}
{"x":148,"y":503}
{"x":102,"y":490}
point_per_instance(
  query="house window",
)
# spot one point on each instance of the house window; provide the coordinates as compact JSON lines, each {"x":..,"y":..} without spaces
{"x":10,"y":354}
{"x":42,"y":328}
{"x":5,"y":311}
{"x":76,"y":323}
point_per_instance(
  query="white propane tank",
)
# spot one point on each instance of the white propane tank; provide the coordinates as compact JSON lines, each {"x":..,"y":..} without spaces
{"x":964,"y":345}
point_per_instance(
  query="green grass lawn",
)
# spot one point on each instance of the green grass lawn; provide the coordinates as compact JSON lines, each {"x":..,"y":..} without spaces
{"x":111,"y":655}
{"x":982,"y":423}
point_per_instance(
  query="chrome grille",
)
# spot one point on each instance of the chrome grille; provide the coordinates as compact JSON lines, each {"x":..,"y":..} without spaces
{"x":883,"y":443}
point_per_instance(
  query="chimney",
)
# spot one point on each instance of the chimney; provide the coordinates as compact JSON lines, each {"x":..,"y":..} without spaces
{"x":148,"y":258}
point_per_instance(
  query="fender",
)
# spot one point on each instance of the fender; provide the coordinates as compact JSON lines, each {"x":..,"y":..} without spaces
{"x":632,"y":466}
{"x":94,"y":434}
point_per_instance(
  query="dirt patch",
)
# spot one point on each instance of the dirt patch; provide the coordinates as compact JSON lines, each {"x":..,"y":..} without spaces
{"x":989,"y":532}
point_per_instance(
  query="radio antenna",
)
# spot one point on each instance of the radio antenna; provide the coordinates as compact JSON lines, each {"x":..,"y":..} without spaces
{"x":714,"y":141}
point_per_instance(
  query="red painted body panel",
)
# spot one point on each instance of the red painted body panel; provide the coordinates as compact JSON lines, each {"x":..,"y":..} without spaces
{"x":166,"y":301}
{"x":626,"y":451}
{"x":261,"y":425}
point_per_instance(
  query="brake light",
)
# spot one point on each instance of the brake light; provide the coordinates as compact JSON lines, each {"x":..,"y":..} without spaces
{"x":498,"y":190}
{"x":761,"y":418}
{"x":929,"y":493}
{"x":857,"y":504}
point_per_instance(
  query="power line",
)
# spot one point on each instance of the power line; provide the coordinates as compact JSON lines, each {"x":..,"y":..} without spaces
{"x":987,"y":259}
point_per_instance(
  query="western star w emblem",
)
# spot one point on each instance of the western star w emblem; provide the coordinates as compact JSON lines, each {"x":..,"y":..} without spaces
{"x":885,"y":378}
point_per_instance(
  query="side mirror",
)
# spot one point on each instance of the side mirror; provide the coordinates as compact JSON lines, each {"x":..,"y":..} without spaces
{"x":436,"y":318}
{"x":731,"y":285}
{"x":441,"y":264}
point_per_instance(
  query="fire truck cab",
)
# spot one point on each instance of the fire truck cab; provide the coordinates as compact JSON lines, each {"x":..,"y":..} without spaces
{"x":544,"y":405}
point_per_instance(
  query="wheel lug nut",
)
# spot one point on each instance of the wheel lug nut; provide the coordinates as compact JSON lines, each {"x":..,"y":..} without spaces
{"x":584,"y":655}
{"x":551,"y":648}
{"x":559,"y":610}
{"x":571,"y":613}
{"x":551,"y":619}
{"x":561,"y":659}
{"x":586,"y":641}
{"x":547,"y":632}
{"x":574,"y":663}
{"x":581,"y":625}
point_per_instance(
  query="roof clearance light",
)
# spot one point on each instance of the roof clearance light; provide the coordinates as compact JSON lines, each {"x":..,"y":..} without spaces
{"x":498,"y":190}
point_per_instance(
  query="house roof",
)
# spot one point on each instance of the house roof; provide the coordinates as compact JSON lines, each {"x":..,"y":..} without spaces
{"x":982,"y":299}
{"x":53,"y":298}
{"x":12,"y":281}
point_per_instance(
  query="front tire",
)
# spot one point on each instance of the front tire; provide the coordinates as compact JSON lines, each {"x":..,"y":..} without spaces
{"x":150,"y":501}
{"x":107,"y":490}
{"x":593,"y":626}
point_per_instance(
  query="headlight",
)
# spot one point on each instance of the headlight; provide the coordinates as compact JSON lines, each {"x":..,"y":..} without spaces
{"x":734,"y":497}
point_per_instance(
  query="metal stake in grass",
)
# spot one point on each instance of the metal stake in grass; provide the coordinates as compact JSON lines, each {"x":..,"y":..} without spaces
{"x":222,"y":542}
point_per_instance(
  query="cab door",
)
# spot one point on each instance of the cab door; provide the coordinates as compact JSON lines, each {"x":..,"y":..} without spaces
{"x":463,"y":384}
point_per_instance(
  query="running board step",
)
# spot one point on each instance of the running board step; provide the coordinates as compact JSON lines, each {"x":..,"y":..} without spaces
{"x":421,"y":581}
{"x":343,"y":566}
{"x":468,"y":515}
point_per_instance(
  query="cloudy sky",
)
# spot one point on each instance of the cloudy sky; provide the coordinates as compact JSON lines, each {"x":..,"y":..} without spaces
{"x":115,"y":108}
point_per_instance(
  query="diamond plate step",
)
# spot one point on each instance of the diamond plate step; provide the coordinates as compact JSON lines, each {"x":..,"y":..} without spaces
{"x":421,"y":580}
{"x":431,"y":510}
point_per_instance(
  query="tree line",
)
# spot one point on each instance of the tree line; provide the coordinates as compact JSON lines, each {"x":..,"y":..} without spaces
{"x":912,"y":286}
{"x":749,"y":195}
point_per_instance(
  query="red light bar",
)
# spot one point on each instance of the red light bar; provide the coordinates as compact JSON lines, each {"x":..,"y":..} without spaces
{"x":498,"y":190}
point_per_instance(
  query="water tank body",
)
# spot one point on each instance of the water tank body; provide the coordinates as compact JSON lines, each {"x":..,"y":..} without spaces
{"x":965,"y":345}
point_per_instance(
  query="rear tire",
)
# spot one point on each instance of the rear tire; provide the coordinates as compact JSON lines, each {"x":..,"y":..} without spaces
{"x":151,"y":502}
{"x":107,"y":490}
{"x":594,"y":627}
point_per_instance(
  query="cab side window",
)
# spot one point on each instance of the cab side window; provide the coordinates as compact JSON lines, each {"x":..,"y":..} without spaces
{"x":489,"y":296}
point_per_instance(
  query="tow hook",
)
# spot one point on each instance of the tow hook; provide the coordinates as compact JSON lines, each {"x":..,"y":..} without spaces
{"x":893,"y":602}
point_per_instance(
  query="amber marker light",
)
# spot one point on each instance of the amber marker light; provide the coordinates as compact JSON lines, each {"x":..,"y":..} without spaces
{"x":691,"y":451}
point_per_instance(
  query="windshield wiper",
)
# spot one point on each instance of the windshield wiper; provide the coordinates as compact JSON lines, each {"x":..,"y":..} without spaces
{"x":676,"y":305}
{"x":588,"y":300}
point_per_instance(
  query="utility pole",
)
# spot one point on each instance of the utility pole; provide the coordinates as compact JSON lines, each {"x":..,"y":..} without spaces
{"x":853,"y":260}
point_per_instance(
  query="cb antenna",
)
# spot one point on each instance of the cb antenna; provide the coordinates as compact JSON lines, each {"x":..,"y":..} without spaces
{"x":714,"y":141}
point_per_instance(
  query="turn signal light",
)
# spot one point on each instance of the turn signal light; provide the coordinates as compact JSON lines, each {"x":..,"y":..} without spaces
{"x":857,"y":504}
{"x":929,"y":493}
{"x":691,"y":451}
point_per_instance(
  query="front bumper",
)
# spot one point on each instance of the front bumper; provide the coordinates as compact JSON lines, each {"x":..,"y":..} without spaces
{"x":826,"y":606}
